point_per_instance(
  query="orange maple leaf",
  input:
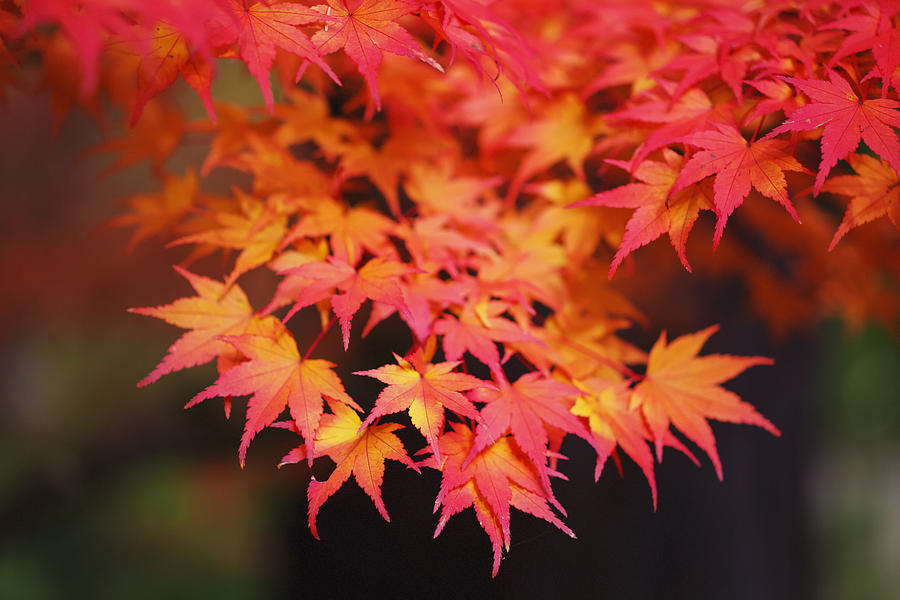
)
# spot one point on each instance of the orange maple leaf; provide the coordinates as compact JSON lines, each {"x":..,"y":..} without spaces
{"x":497,"y":477}
{"x":564,"y":132}
{"x":215,"y":311}
{"x":277,"y":376}
{"x":356,"y":449}
{"x":875,"y":191}
{"x":257,"y":232}
{"x":350,"y":230}
{"x":738,"y":164}
{"x":683,"y":389}
{"x":161,"y":212}
{"x":605,"y":404}
{"x":168,"y":57}
{"x":425,"y":389}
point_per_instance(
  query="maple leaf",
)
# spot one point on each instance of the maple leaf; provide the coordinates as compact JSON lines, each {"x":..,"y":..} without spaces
{"x":257,"y":232}
{"x":612,"y":423}
{"x":259,"y":29}
{"x":606,"y":407}
{"x":154,"y":137}
{"x":778,"y":97}
{"x":581,"y":339}
{"x":710,"y":56}
{"x":579,"y":229}
{"x":85,"y":24}
{"x":435,"y":243}
{"x":693,"y":110}
{"x":874,"y":33}
{"x":738,"y":164}
{"x":477,"y":330}
{"x":526,"y":408}
{"x":276,"y":376}
{"x":683,"y":389}
{"x":846,"y":119}
{"x":350,"y":230}
{"x":170,"y":56}
{"x":308,"y":117}
{"x":233,"y":129}
{"x":217,"y":310}
{"x":565,"y":131}
{"x":375,"y":280}
{"x":633,"y":66}
{"x":291,"y":286}
{"x":495,"y":478}
{"x":436,"y":190}
{"x":875,"y":191}
{"x":355,"y":448}
{"x":153,"y":214}
{"x":424,"y":389}
{"x":408,"y":145}
{"x":657,"y":213}
{"x":363,"y":28}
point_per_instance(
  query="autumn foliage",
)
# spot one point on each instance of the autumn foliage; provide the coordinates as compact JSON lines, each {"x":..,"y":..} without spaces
{"x":461,"y":169}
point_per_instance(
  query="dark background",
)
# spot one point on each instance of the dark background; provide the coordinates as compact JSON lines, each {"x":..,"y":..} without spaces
{"x":109,"y":491}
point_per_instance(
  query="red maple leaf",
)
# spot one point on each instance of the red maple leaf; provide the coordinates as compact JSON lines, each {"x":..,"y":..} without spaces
{"x":477,"y":330}
{"x":846,"y":119}
{"x":737,"y":165}
{"x":259,"y":29}
{"x":363,"y":28}
{"x":871,"y":32}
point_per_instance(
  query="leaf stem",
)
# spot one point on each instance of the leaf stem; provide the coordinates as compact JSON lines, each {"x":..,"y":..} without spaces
{"x":319,"y":337}
{"x":762,"y":119}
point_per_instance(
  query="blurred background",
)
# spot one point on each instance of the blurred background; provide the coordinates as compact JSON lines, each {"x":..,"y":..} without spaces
{"x":109,"y":491}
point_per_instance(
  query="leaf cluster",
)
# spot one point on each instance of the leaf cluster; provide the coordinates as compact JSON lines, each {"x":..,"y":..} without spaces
{"x":469,"y":192}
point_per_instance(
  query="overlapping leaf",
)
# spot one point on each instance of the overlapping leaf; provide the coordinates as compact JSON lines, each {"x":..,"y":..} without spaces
{"x":738,"y":165}
{"x":496,"y":477}
{"x":277,"y":377}
{"x":875,"y":192}
{"x":658,"y":211}
{"x":258,"y":29}
{"x":217,"y":310}
{"x":425,"y":390}
{"x":355,"y":448}
{"x":846,"y":119}
{"x":365,"y":28}
{"x":526,"y":408}
{"x":682,"y":389}
{"x":377,"y":280}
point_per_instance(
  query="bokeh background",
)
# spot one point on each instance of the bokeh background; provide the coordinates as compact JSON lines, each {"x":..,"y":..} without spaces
{"x":110,"y":491}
